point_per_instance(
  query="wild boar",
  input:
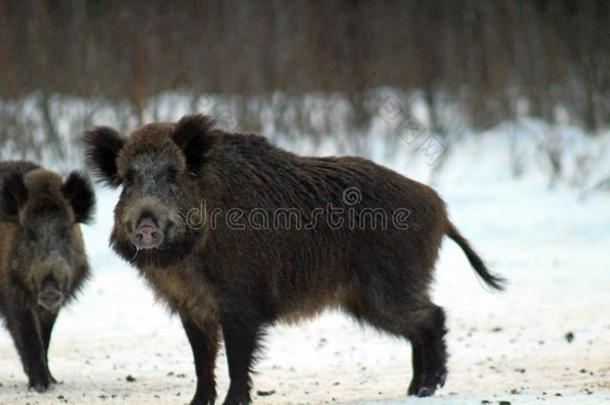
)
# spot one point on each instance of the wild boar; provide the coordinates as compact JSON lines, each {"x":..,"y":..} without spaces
{"x":306,"y":241}
{"x":42,"y":256}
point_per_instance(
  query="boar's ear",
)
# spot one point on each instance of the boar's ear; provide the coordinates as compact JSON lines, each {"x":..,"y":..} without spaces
{"x":193,"y":135}
{"x":78,"y":191}
{"x":102,"y":145}
{"x":14,"y":195}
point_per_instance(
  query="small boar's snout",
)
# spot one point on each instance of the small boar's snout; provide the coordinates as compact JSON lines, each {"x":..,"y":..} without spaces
{"x":50,"y":297}
{"x":147,"y":234}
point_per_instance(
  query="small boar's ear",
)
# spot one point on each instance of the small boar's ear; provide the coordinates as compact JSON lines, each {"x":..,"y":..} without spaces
{"x":193,"y":135}
{"x":102,"y":145}
{"x":14,"y":195}
{"x":78,"y":191}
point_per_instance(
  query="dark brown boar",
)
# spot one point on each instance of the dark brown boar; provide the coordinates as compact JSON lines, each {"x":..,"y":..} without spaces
{"x":311,"y":236}
{"x":42,"y":256}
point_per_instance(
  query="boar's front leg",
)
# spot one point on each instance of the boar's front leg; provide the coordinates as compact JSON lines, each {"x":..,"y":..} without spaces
{"x":25,"y":329}
{"x":204,"y":343}
{"x":46,"y":329}
{"x":241,"y":342}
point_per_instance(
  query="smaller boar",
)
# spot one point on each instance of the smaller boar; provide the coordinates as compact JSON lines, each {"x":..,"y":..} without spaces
{"x":42,"y":256}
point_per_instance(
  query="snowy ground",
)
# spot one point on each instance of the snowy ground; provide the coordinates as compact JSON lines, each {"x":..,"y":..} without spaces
{"x":512,"y":346}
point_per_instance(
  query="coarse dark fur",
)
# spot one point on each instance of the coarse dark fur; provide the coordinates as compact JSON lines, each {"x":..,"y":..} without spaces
{"x":41,"y":251}
{"x":238,"y":277}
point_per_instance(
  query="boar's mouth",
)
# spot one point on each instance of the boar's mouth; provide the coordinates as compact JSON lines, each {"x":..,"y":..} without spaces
{"x":170,"y":251}
{"x":50,"y":297}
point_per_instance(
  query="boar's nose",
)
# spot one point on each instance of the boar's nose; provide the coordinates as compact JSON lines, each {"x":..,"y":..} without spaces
{"x":147,"y":235}
{"x":50,"y":298}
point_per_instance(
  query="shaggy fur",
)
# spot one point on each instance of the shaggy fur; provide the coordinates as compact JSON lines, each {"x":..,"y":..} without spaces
{"x":239,"y":280}
{"x":41,"y":246}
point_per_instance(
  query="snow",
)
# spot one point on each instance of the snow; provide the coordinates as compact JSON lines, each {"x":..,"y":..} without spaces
{"x":549,"y":242}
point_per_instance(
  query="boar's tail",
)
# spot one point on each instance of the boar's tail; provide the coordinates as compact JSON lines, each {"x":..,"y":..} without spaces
{"x":475,"y":260}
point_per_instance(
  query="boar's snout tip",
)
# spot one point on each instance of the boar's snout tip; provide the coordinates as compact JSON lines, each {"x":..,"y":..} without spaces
{"x":50,"y":299}
{"x":147,"y":235}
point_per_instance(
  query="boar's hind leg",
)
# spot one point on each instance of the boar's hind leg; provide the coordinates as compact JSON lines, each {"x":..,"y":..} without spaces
{"x":46,"y":329}
{"x":424,"y":327}
{"x":25,"y":328}
{"x":429,"y":354}
{"x":204,"y":343}
{"x":241,"y":343}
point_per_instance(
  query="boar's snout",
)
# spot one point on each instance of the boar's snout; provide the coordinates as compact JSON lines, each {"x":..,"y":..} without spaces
{"x":147,"y":234}
{"x":50,"y":297}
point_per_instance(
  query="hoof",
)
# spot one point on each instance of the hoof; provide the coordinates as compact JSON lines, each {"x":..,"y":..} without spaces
{"x":204,"y":400}
{"x":425,"y":392}
{"x":40,"y":387}
{"x":242,"y":401}
{"x":427,"y":385}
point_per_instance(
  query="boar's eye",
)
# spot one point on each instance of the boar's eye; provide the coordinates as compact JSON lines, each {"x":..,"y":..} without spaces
{"x":172,"y":174}
{"x":129,"y":177}
{"x":31,"y":234}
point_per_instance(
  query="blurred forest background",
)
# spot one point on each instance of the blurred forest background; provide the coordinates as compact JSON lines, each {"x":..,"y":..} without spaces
{"x":117,"y":62}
